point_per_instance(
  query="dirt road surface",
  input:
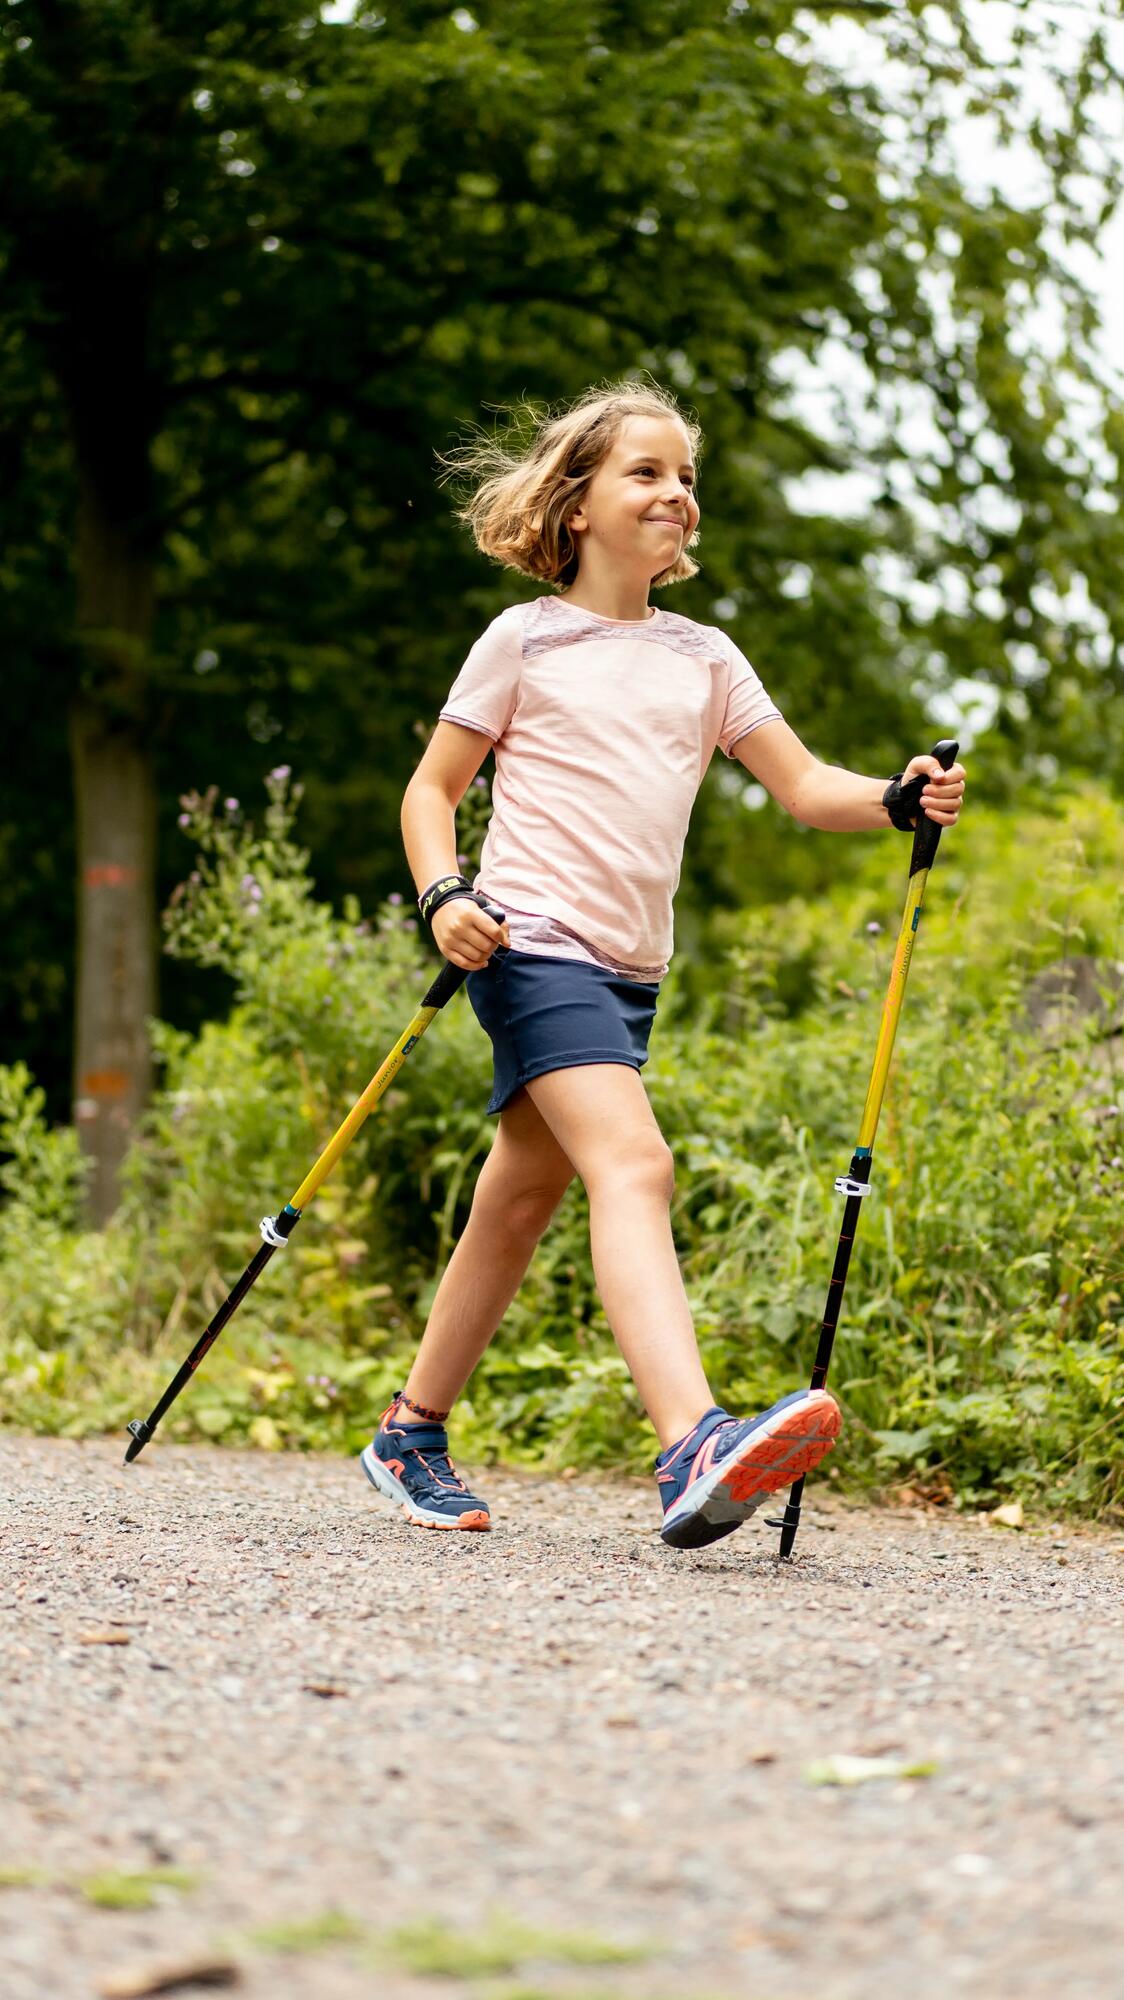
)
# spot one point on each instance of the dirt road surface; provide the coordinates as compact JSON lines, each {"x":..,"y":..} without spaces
{"x":323,"y":1715}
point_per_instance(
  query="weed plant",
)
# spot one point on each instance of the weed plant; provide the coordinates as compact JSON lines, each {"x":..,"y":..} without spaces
{"x":979,"y":1354}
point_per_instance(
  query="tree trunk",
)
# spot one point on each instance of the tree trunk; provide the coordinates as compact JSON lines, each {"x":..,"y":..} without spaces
{"x":116,"y":812}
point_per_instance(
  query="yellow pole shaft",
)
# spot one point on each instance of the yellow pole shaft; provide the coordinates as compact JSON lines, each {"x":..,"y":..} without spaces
{"x":360,"y":1110}
{"x":891,"y":1009}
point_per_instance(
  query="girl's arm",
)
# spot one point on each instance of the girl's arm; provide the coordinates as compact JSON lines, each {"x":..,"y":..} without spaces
{"x":838,"y":801}
{"x":452,"y":758}
{"x":461,"y":930}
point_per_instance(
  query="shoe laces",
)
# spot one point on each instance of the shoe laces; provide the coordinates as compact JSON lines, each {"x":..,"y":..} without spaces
{"x":434,"y":1456}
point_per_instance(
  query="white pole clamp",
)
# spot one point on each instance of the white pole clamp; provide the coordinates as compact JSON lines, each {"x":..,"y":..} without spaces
{"x":271,"y":1234}
{"x":845,"y":1185}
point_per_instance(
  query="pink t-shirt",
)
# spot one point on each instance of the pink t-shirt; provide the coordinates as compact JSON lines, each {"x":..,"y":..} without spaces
{"x":603,"y":730}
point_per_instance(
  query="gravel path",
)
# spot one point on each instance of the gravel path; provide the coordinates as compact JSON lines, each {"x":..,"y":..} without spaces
{"x":562,"y":1721}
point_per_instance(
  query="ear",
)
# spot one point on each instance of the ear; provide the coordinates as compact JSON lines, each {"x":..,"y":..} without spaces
{"x":577,"y":521}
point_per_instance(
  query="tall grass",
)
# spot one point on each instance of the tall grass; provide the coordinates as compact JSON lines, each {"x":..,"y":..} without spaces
{"x":980,"y":1346}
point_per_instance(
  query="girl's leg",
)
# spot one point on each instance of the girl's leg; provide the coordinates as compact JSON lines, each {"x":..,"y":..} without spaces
{"x":517,"y":1191}
{"x":600,"y":1116}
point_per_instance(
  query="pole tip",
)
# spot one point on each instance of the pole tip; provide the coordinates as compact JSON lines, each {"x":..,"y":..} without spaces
{"x":140,"y":1432}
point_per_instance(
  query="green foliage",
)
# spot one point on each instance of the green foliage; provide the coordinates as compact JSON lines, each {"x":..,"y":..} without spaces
{"x":134,"y":1889}
{"x":980,"y":1347}
{"x":43,"y":1172}
{"x":308,"y":1934}
{"x":502,"y":1944}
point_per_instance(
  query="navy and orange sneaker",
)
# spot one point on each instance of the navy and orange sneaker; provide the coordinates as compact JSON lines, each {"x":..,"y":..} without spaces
{"x":715,"y":1477}
{"x":410,"y":1465}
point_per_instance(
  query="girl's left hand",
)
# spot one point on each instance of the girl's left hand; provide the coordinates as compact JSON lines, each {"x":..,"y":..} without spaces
{"x":943,"y":796}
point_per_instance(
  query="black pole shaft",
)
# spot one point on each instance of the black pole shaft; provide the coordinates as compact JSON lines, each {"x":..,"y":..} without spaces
{"x":142,"y":1430}
{"x":860,"y":1171}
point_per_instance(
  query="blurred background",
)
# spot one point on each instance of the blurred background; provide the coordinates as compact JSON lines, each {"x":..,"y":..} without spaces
{"x":260,"y":265}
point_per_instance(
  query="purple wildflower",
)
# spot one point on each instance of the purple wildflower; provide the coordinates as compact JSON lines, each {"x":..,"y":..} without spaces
{"x":184,"y":819}
{"x":281,"y":772}
{"x":394,"y":897}
{"x":231,"y":805}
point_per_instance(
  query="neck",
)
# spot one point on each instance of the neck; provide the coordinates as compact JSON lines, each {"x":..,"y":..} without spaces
{"x":609,"y":597}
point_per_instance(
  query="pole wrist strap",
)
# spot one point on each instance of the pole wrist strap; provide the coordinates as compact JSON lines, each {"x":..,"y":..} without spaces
{"x":903,"y":802}
{"x":442,"y":891}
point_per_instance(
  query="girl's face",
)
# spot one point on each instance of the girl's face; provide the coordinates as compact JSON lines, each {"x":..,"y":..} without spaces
{"x":639,"y":510}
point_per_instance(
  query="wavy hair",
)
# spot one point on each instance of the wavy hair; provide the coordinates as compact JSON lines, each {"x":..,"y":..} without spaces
{"x":525,"y":486}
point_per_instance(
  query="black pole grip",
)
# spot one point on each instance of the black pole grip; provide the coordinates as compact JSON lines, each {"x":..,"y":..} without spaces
{"x":927,"y":835}
{"x":451,"y":977}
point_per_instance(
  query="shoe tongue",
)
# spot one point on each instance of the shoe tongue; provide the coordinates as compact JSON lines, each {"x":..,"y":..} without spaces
{"x":701,"y":1432}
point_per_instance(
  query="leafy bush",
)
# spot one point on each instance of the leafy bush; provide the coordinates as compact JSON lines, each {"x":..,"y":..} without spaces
{"x":980,"y":1344}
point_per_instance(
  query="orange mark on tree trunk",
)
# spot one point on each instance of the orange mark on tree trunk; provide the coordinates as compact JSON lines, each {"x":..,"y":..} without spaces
{"x":110,"y":875}
{"x":105,"y":1083}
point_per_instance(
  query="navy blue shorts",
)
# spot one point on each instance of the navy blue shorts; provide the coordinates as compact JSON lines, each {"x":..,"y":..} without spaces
{"x":543,"y":1013}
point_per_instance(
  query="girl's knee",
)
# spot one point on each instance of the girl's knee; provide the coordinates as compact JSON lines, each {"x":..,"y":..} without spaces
{"x":523,"y":1179}
{"x":520,"y":1211}
{"x":645,"y":1166}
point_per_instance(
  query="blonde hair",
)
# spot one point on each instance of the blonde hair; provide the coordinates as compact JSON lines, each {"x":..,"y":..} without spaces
{"x":523,"y":497}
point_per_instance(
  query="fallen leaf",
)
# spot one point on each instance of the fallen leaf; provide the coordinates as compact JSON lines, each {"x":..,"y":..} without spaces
{"x":325,"y":1688}
{"x":169,"y":1976}
{"x":844,"y":1770}
{"x":104,"y":1639}
{"x":1010,"y":1516}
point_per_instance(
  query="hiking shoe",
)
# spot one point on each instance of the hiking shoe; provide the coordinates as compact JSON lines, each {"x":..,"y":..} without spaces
{"x":715,"y":1477}
{"x":410,"y":1465}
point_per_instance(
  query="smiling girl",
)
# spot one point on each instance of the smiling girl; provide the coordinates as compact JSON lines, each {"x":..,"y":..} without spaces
{"x":603,"y":712}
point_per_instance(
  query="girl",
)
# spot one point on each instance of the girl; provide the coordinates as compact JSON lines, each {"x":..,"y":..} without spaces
{"x":603,"y":712}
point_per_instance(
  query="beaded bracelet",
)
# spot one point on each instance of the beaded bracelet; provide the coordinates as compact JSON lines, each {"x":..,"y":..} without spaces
{"x":419,"y":1409}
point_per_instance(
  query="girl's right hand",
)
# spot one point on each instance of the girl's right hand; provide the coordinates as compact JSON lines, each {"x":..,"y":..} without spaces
{"x":465,"y":935}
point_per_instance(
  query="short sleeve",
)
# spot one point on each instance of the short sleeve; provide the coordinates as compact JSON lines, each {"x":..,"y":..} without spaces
{"x":747,"y":704}
{"x":484,"y":694}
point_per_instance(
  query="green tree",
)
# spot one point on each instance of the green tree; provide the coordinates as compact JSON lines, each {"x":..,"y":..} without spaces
{"x":258,"y":267}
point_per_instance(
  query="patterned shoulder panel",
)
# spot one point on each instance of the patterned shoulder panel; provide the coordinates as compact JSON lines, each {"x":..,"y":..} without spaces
{"x":704,"y":642}
{"x":551,"y":623}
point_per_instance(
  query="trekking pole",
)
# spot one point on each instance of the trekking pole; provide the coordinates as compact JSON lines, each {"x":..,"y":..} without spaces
{"x":277,"y":1229}
{"x":856,"y":1184}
